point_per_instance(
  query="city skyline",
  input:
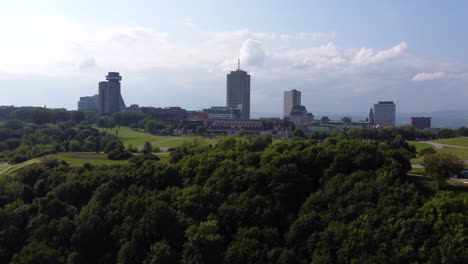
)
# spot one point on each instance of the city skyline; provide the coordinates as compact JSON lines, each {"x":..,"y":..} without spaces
{"x":341,"y":59}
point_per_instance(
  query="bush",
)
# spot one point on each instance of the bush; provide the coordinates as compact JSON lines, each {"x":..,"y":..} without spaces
{"x":74,"y":146}
{"x":426,"y":151}
{"x":18,"y":159}
{"x":119,"y":154}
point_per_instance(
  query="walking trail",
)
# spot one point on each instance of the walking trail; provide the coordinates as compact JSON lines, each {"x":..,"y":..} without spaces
{"x":439,"y":145}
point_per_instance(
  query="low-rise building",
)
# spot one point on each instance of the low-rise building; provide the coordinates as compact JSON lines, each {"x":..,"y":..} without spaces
{"x":232,"y":127}
{"x":299,"y":115}
{"x":171,"y":115}
{"x":421,"y":122}
{"x":88,"y":103}
{"x":224,"y":112}
{"x":131,"y":108}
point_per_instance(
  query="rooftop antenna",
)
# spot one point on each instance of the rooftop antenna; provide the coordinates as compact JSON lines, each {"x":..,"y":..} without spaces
{"x":238,"y":63}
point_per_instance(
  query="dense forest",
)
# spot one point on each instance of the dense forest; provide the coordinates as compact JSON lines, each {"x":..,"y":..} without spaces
{"x":241,"y":201}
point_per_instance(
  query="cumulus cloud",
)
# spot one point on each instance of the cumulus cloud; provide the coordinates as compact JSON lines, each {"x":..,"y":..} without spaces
{"x":369,"y":56}
{"x":421,"y":77}
{"x":252,"y":53}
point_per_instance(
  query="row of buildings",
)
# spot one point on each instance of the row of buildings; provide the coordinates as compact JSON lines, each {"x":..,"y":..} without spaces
{"x":235,"y":115}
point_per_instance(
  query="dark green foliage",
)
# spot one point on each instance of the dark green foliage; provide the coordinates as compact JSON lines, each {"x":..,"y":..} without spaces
{"x":441,"y":166}
{"x":128,"y":118}
{"x":298,"y":133}
{"x":240,"y":201}
{"x":119,"y":154}
{"x":20,"y":142}
{"x":147,"y":148}
{"x":105,"y":122}
{"x":426,"y":151}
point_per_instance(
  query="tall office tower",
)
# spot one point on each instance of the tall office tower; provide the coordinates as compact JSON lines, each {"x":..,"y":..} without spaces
{"x":238,"y":91}
{"x":384,"y":113}
{"x":110,"y":99}
{"x":291,"y":99}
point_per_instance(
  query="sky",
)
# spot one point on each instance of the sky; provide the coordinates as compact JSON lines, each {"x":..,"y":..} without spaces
{"x":342,"y":55}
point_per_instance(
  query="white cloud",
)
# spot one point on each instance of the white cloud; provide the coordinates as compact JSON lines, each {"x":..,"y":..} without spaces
{"x":368,"y":56}
{"x":252,"y":53}
{"x":421,"y":77}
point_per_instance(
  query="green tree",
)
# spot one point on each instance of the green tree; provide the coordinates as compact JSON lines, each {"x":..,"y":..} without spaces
{"x":147,"y":148}
{"x":200,"y":130}
{"x":74,"y":146}
{"x":298,"y":133}
{"x":441,"y":166}
{"x":241,"y":132}
{"x":325,"y":119}
{"x":204,"y":243}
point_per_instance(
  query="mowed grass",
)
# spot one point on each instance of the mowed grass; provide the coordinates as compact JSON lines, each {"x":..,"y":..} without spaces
{"x":170,"y":143}
{"x":420,"y":145}
{"x":463,"y":142}
{"x":458,"y":152}
{"x":135,"y":138}
{"x":78,"y":159}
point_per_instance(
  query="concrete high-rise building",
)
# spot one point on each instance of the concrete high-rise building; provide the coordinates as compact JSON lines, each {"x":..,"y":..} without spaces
{"x":291,"y":99}
{"x":238,"y":91}
{"x":110,"y":99}
{"x":384,"y":114}
{"x":88,"y":103}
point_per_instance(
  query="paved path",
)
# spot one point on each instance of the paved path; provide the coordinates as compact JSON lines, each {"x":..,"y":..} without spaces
{"x":3,"y":164}
{"x":439,"y":145}
{"x":459,"y":180}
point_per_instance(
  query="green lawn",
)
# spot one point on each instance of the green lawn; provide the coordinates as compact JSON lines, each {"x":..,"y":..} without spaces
{"x":459,"y":152}
{"x":453,"y":141}
{"x":135,"y":138}
{"x":419,"y":171}
{"x":171,"y":143}
{"x":78,"y":159}
{"x":179,"y":141}
{"x":420,"y":145}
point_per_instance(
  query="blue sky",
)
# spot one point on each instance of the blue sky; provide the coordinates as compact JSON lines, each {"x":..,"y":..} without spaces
{"x":342,"y":55}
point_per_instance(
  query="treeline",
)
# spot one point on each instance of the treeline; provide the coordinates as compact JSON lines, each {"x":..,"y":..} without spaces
{"x":241,"y":201}
{"x":39,"y":116}
{"x":407,"y":132}
{"x":23,"y":141}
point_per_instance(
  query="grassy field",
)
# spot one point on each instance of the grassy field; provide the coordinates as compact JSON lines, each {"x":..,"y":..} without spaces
{"x":458,"y":152}
{"x":12,"y":169}
{"x":419,"y":171}
{"x":135,"y":138}
{"x":463,"y":142}
{"x":420,"y":145}
{"x":171,"y":143}
{"x":78,"y":159}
